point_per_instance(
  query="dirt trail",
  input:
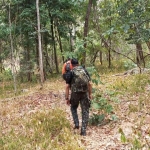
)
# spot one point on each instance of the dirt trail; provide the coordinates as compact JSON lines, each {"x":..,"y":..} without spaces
{"x":104,"y":137}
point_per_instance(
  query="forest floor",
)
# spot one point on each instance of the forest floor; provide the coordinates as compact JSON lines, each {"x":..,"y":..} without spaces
{"x":132,"y":120}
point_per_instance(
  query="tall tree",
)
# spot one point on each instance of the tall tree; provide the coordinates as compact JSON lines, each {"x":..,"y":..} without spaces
{"x":86,"y":25}
{"x":133,"y":18}
{"x":12,"y":52}
{"x":39,"y":44}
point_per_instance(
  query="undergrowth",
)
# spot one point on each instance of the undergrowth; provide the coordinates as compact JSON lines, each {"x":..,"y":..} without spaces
{"x":42,"y":130}
{"x":130,"y":84}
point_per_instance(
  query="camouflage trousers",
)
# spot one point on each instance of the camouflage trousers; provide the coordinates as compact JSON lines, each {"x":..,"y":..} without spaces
{"x":82,"y":99}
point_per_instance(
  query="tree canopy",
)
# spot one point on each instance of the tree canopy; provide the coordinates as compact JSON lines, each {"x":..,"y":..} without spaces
{"x":89,"y":30}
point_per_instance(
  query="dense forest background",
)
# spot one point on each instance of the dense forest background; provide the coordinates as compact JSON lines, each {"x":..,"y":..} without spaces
{"x":111,"y":38}
{"x":94,"y":31}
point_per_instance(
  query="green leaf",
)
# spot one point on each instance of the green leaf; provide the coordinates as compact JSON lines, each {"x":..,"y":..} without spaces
{"x":114,"y":117}
{"x":101,"y":118}
{"x":96,"y":106}
{"x":109,"y":109}
{"x":126,"y":28}
{"x":123,"y":138}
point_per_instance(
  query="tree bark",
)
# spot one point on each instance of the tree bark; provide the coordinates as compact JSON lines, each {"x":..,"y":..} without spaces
{"x":12,"y":53}
{"x":139,"y":55}
{"x":148,"y":45}
{"x":53,"y":39}
{"x":86,"y":25}
{"x":60,"y":43}
{"x":29,"y":78}
{"x":101,"y":57}
{"x":148,"y":42}
{"x":39,"y":45}
{"x":1,"y":65}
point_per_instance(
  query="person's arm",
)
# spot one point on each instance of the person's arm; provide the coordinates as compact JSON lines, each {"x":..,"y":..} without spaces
{"x":90,"y":90}
{"x":63,"y":68}
{"x":67,"y":94}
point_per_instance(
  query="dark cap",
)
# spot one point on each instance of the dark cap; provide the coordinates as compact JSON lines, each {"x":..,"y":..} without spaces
{"x":74,"y":61}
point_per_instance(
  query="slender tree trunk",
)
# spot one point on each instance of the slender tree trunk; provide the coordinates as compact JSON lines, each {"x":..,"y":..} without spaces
{"x":60,"y":43}
{"x":39,"y":44}
{"x":12,"y":53}
{"x":109,"y":48}
{"x":71,"y":39}
{"x":148,"y":42}
{"x":1,"y":65}
{"x":28,"y":60}
{"x":139,"y":55}
{"x":53,"y":38}
{"x":94,"y":57}
{"x":48,"y":66}
{"x":148,"y":45}
{"x":37,"y":51}
{"x":101,"y":57}
{"x":109,"y":53}
{"x":86,"y":25}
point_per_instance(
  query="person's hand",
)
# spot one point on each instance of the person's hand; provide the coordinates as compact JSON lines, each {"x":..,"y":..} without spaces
{"x":90,"y":97}
{"x":68,"y":102}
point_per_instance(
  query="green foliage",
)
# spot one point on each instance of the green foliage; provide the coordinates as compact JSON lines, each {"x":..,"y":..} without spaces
{"x":136,"y":144}
{"x":132,"y":84}
{"x":117,"y":66}
{"x":140,"y":81}
{"x":133,"y":18}
{"x":123,"y":137}
{"x":78,"y":52}
{"x":96,"y":119}
{"x":99,"y":102}
{"x":95,"y":77}
{"x":6,"y":75}
{"x":44,"y":130}
{"x":128,"y":64}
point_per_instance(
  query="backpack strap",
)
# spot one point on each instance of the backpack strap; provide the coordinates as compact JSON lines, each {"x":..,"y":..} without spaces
{"x":68,"y":66}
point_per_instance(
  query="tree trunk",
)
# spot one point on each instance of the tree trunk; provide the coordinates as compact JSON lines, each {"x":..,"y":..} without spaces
{"x":1,"y":65}
{"x":39,"y":45}
{"x":28,"y":60}
{"x":72,"y":34}
{"x":53,"y":39}
{"x":60,"y":43}
{"x":148,"y":45}
{"x":147,"y":24}
{"x":12,"y":54}
{"x":109,"y":53}
{"x":139,"y":55}
{"x":101,"y":57}
{"x":86,"y":25}
{"x":94,"y":57}
{"x":37,"y":51}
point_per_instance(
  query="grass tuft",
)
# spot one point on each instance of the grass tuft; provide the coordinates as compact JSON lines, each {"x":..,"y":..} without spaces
{"x":43,"y":130}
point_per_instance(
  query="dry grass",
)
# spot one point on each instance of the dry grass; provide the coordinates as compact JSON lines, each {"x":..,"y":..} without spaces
{"x":34,"y":120}
{"x":37,"y":119}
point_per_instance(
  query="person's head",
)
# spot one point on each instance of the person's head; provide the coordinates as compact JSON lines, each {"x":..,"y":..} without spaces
{"x":74,"y":62}
{"x":68,"y":59}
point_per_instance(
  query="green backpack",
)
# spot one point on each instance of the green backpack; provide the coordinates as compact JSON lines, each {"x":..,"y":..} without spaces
{"x":80,"y":80}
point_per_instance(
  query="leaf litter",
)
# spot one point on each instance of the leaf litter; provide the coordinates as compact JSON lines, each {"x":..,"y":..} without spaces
{"x":102,"y":137}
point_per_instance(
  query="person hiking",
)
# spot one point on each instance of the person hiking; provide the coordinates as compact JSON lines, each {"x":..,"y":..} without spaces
{"x":80,"y":94}
{"x":67,"y":67}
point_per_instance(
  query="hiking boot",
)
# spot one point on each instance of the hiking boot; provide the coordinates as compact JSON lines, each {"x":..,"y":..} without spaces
{"x":83,"y":133}
{"x":76,"y":127}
